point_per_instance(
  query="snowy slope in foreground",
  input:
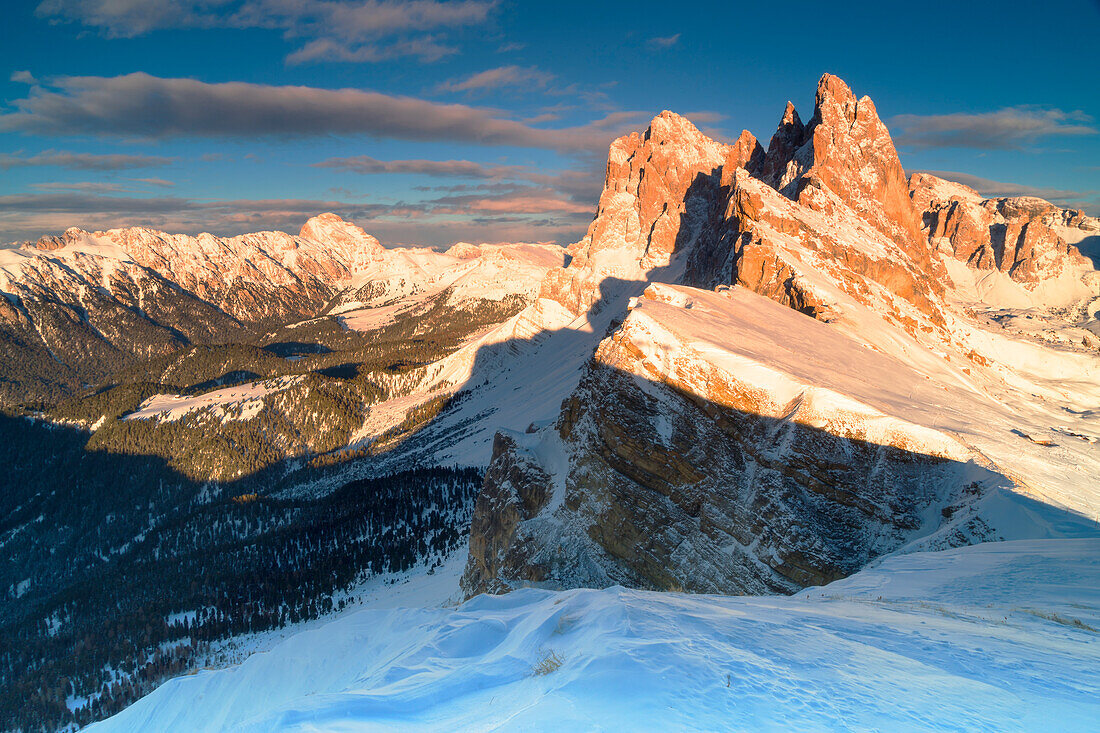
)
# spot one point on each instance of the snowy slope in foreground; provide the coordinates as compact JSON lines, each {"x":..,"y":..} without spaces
{"x":1001,"y":636}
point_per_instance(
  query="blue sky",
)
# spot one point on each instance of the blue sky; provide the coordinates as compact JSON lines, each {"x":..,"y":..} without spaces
{"x":432,"y":122}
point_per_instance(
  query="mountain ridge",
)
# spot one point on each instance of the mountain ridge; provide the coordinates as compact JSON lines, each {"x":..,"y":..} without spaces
{"x":84,"y":304}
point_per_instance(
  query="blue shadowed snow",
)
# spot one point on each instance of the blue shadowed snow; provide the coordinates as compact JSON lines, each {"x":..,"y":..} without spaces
{"x":1001,"y":636}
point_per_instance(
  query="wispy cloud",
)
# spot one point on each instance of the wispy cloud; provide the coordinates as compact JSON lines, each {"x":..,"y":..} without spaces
{"x":142,"y":105}
{"x":503,"y":76}
{"x":578,"y":186}
{"x":86,"y":186}
{"x":1011,"y":128}
{"x":334,"y":30}
{"x":83,"y":161}
{"x":1072,"y":199}
{"x":28,"y":216}
{"x":327,"y":49}
{"x":660,"y":42}
{"x":101,"y":186}
{"x":367,"y":165}
{"x":523,"y":201}
{"x":160,"y":182}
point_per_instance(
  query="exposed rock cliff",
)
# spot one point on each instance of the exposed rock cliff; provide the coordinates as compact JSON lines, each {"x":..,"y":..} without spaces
{"x":710,"y":448}
{"x":659,"y":191}
{"x":1028,"y":239}
{"x":847,"y":149}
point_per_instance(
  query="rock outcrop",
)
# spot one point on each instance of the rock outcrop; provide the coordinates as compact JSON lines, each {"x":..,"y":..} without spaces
{"x":659,"y":191}
{"x":1021,"y":237}
{"x":846,"y":149}
{"x":679,"y":207}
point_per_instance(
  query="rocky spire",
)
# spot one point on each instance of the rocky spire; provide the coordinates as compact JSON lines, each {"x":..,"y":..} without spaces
{"x":652,"y":180}
{"x":848,"y":150}
{"x":744,"y":153}
{"x":788,"y":138}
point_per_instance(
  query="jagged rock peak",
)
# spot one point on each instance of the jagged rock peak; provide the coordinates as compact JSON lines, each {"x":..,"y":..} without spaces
{"x":669,"y":127}
{"x":789,"y":136}
{"x":652,"y":180}
{"x":790,"y":125}
{"x":846,"y":149}
{"x":679,"y":141}
{"x":835,"y":100}
{"x":791,"y":120}
{"x":746,"y":153}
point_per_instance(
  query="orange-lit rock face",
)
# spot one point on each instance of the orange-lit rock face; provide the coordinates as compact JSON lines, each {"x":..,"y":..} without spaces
{"x":652,"y":181}
{"x":848,"y":149}
{"x":744,"y":153}
{"x":1013,"y":235}
{"x":674,"y":195}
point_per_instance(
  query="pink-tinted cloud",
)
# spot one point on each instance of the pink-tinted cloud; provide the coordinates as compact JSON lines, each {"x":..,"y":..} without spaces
{"x":139,"y":104}
{"x":366,"y":165}
{"x":83,"y":161}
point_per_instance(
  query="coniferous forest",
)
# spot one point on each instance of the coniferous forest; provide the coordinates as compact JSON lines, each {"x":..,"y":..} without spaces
{"x":145,"y":583}
{"x":134,"y":549}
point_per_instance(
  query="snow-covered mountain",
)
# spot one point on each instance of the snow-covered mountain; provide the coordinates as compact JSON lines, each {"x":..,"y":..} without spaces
{"x":80,"y":306}
{"x":856,"y":385}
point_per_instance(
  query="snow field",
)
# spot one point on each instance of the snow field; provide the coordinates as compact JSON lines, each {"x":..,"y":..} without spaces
{"x":993,"y":637}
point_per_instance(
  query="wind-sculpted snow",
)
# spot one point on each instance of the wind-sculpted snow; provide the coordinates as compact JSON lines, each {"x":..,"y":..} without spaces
{"x":994,"y":637}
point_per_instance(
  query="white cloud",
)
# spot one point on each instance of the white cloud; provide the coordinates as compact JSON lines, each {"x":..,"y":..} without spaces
{"x":660,"y":42}
{"x":1011,"y":128}
{"x":334,"y":30}
{"x":503,"y":76}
